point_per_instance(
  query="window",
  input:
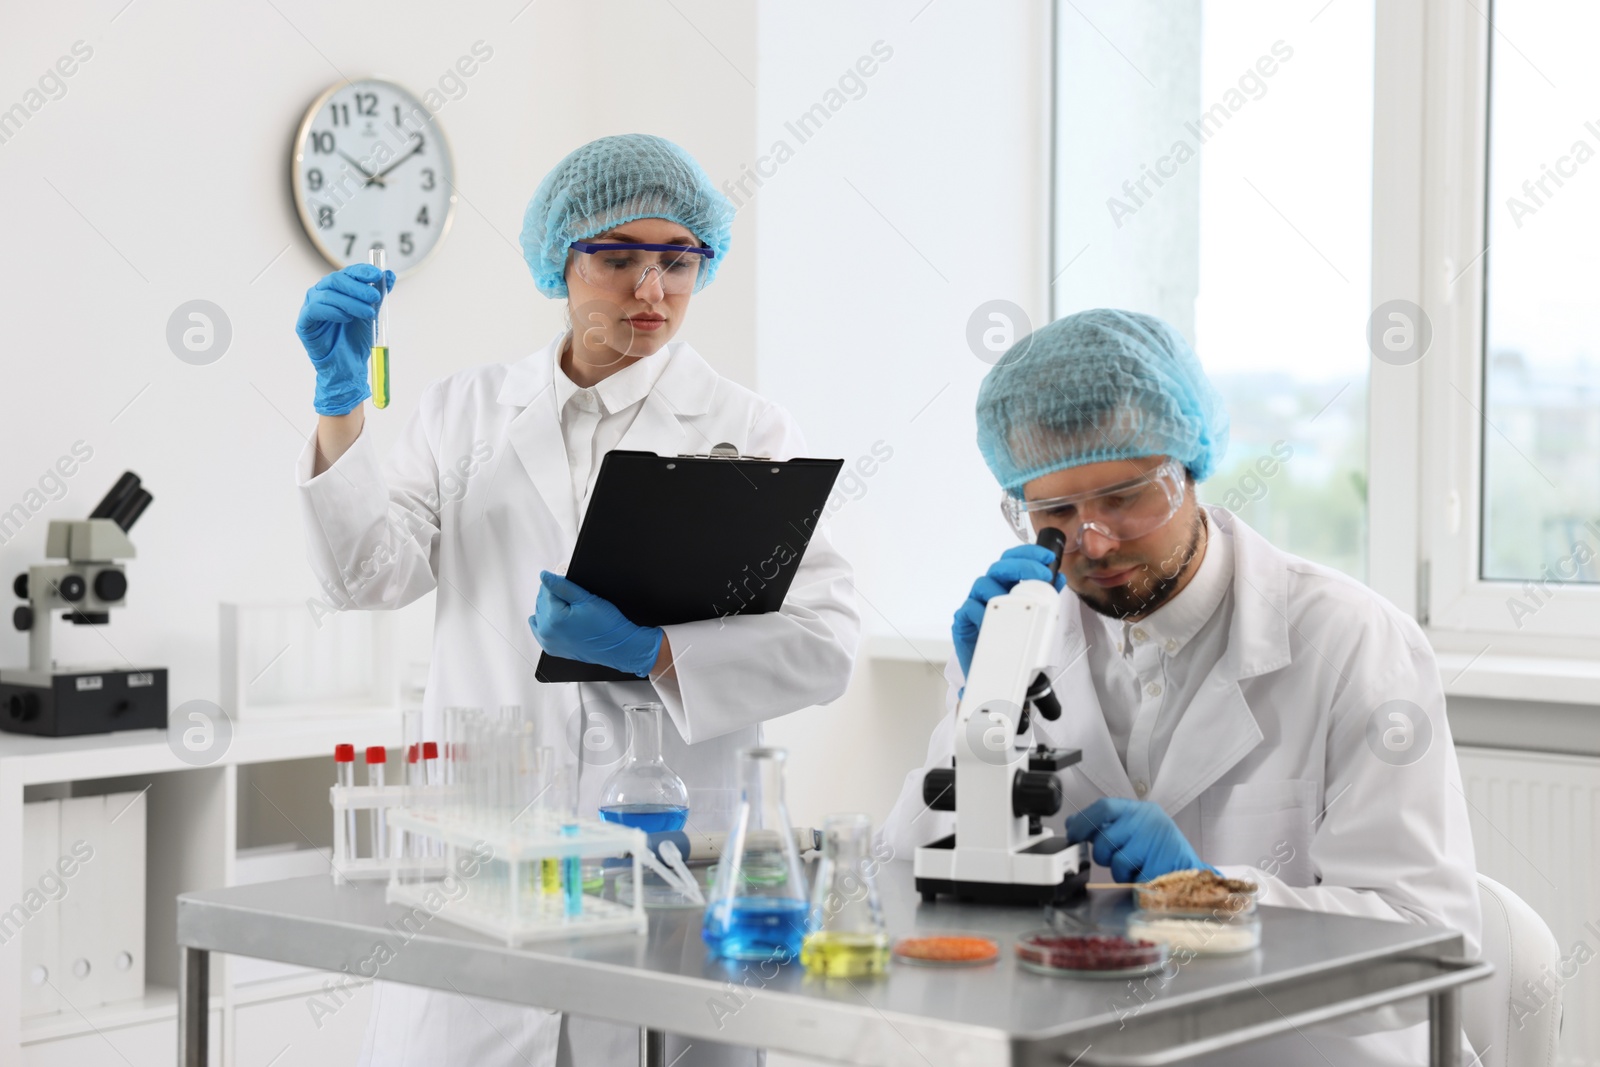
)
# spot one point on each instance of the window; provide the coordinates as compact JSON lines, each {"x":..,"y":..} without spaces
{"x":1541,"y":369}
{"x":1215,"y":169}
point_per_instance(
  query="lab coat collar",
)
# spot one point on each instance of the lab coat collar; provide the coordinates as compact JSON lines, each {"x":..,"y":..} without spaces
{"x":1217,"y":729}
{"x":618,"y":392}
{"x":1258,"y":637}
{"x":686,"y":380}
{"x":686,"y":386}
{"x":535,"y":436}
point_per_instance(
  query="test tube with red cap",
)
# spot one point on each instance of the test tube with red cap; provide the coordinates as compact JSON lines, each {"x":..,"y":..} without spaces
{"x":431,"y":774}
{"x":377,"y":756}
{"x":344,"y":761}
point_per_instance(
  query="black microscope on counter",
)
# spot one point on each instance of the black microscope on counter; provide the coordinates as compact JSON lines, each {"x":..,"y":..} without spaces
{"x":58,"y":702}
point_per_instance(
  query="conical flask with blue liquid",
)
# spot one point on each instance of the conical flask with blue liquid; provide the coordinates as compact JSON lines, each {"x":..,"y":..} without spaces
{"x":757,"y":908}
{"x":644,"y":792}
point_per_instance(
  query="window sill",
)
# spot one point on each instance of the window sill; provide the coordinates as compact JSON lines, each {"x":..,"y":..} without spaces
{"x":1520,"y":677}
{"x":934,"y":651}
{"x":1544,"y":679}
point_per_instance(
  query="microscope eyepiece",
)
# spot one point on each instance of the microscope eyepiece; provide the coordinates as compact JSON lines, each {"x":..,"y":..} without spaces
{"x":1056,"y":542}
{"x":123,"y":503}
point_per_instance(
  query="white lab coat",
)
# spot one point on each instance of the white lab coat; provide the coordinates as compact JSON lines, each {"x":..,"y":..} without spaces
{"x":1270,"y":775}
{"x":474,"y":500}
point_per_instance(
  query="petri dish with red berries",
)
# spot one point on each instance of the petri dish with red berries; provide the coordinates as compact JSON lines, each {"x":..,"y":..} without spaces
{"x":1089,"y":955}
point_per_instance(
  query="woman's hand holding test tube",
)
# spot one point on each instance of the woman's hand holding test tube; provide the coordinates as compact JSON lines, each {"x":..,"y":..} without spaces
{"x":335,"y":328}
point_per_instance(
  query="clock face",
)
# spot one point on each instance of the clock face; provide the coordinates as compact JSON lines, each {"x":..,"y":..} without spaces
{"x":372,"y":170}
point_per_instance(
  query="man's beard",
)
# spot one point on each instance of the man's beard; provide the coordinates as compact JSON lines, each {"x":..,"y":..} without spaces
{"x":1121,"y":601}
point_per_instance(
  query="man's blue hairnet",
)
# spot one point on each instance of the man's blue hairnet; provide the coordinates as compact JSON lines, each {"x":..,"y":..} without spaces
{"x":615,"y":180}
{"x":1095,"y":386}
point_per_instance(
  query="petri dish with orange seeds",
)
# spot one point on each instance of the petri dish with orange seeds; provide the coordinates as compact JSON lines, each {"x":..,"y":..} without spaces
{"x":947,"y":950}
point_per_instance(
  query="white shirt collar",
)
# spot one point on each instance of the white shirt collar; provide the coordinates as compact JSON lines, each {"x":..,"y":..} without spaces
{"x":621,"y":390}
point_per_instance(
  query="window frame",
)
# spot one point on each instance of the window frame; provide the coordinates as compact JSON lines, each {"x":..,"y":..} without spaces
{"x":1426,"y":427}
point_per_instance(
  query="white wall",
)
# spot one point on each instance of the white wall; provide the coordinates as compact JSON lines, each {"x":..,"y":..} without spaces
{"x":162,"y":176}
{"x":914,"y":203}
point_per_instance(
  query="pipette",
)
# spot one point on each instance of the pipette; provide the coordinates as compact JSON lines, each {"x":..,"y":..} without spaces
{"x":380,"y":336}
{"x":674,"y":859}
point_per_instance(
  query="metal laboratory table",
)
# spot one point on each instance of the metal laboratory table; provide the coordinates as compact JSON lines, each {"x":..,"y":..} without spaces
{"x":1310,"y":968}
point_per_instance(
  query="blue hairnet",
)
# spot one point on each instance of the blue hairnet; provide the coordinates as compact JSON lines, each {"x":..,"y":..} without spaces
{"x":1095,"y":386}
{"x":615,"y":180}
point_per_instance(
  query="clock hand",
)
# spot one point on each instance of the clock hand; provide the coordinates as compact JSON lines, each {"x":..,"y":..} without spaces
{"x":371,"y":178}
{"x":401,"y":160}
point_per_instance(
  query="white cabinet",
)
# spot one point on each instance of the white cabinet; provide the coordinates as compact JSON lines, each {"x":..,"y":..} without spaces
{"x":269,"y":788}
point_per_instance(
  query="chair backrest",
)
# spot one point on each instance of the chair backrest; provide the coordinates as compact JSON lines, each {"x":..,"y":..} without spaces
{"x":1507,"y":1025}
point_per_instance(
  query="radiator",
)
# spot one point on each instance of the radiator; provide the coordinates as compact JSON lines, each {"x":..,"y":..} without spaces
{"x":1536,"y":829}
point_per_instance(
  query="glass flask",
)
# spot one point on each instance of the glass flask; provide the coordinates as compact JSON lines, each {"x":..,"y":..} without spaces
{"x":643,"y":792}
{"x":757,"y":906}
{"x":848,"y":938}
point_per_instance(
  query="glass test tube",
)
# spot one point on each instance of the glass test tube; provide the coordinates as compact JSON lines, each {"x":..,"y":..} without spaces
{"x":344,"y":762}
{"x":409,"y":843}
{"x":550,"y":785}
{"x":380,"y":337}
{"x":376,"y":758}
{"x":432,"y":775}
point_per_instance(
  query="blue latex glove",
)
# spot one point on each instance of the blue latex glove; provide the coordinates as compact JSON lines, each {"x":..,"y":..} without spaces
{"x":335,"y":326}
{"x":1014,"y":565}
{"x":573,"y":623}
{"x":1135,"y":838}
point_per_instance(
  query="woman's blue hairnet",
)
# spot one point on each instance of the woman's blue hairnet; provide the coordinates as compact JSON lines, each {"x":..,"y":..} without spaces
{"x":615,"y":180}
{"x":1095,"y":386}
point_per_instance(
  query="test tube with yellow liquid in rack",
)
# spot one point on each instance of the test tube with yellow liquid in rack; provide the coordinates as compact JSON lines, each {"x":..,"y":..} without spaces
{"x":380,"y":336}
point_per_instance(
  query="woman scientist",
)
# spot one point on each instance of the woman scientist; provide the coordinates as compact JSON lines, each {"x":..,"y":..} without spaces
{"x":481,"y":498}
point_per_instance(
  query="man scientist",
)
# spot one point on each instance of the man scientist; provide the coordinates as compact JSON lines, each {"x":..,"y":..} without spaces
{"x":1236,"y":706}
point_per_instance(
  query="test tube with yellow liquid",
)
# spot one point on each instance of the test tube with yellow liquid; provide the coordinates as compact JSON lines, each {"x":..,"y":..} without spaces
{"x":379,"y":368}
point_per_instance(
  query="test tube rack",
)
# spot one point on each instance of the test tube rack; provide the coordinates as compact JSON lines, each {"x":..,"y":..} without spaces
{"x":347,"y":866}
{"x":503,"y":898}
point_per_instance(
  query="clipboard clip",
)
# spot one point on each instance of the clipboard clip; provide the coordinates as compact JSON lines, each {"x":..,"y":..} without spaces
{"x":723,"y":450}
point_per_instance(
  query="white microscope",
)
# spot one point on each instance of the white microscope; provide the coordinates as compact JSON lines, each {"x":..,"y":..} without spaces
{"x":1001,"y":853}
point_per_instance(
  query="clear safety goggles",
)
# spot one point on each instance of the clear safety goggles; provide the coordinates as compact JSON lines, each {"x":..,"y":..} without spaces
{"x":622,"y":268}
{"x":1123,"y":512}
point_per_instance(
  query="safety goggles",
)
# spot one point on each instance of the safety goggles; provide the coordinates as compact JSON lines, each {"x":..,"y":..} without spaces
{"x":1122,"y":512}
{"x":622,"y":268}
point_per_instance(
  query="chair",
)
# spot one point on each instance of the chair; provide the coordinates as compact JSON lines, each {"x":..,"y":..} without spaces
{"x":1521,"y":947}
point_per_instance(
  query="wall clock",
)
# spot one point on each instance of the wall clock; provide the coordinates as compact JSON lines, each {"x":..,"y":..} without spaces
{"x":371,"y":168}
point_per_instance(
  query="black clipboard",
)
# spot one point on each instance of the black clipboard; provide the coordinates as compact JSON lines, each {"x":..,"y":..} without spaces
{"x":674,"y":539}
